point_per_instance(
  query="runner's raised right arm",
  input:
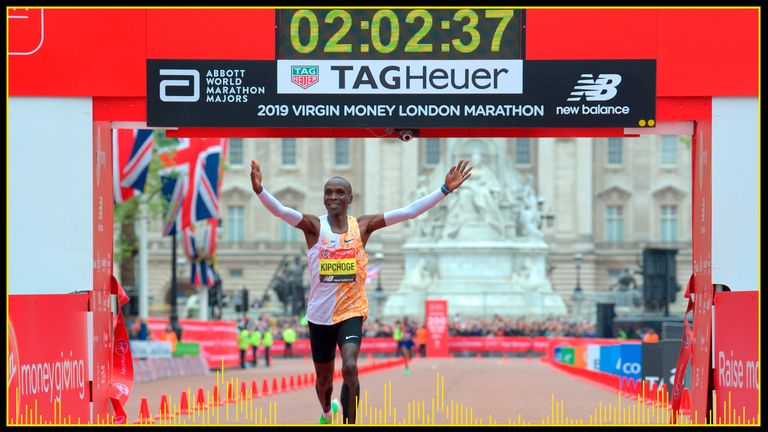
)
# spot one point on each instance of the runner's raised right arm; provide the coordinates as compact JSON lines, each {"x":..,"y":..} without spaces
{"x":310,"y":224}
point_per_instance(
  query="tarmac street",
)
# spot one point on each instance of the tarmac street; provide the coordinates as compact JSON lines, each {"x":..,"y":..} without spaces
{"x":463,"y":391}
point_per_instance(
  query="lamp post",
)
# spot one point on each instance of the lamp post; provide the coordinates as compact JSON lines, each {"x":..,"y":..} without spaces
{"x":578,"y":293}
{"x":174,"y":318}
{"x":379,"y":292}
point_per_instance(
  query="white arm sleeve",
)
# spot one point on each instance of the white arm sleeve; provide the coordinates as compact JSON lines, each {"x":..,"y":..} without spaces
{"x":414,"y":209}
{"x":273,"y":205}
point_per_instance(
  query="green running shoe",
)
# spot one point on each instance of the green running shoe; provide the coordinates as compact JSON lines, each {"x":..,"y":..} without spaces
{"x":334,"y":410}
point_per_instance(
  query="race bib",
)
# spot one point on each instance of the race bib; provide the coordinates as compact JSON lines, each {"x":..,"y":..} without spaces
{"x":337,"y":265}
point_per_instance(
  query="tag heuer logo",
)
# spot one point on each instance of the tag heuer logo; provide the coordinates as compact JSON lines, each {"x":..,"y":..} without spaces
{"x":304,"y":76}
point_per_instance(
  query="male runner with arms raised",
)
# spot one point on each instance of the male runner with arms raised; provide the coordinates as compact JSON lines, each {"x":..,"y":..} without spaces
{"x":337,"y":262}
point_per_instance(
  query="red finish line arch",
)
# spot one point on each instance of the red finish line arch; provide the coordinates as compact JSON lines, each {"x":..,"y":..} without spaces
{"x":704,"y":59}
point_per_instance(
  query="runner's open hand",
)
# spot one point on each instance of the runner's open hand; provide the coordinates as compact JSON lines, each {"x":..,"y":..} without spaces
{"x":256,"y":176}
{"x":458,"y":174}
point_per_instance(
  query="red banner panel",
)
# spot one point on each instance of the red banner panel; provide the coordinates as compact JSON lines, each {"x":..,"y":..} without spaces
{"x":736,"y":365}
{"x":437,"y":328}
{"x":702,"y":270}
{"x":48,"y":370}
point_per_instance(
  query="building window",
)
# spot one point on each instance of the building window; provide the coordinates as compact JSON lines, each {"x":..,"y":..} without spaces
{"x":614,"y":151}
{"x":669,"y":149}
{"x":236,"y":272}
{"x":432,"y":151}
{"x":235,"y":226}
{"x":236,"y":151}
{"x":668,"y":223}
{"x":614,"y":224}
{"x":289,"y":151}
{"x":523,"y":151}
{"x":613,"y":274}
{"x":342,"y":152}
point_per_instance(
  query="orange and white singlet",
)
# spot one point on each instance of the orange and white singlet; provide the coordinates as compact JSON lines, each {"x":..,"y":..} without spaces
{"x":337,"y":269}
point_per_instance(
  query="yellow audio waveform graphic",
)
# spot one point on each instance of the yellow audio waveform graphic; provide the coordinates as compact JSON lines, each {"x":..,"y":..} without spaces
{"x":438,"y":410}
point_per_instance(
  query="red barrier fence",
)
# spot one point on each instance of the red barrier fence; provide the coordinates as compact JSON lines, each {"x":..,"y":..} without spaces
{"x":218,"y":339}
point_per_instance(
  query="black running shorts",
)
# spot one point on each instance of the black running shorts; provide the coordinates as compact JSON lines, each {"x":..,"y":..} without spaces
{"x":324,"y":338}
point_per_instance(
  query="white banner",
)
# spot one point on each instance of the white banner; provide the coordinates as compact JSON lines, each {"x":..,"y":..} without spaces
{"x":400,"y":76}
{"x":147,"y":349}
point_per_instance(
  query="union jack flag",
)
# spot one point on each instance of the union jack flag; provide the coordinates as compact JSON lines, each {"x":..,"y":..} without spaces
{"x":175,"y":184}
{"x":201,"y":158}
{"x":132,"y":152}
{"x":205,"y":190}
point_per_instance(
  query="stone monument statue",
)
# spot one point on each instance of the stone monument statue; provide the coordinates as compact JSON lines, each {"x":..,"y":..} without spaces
{"x":481,"y":248}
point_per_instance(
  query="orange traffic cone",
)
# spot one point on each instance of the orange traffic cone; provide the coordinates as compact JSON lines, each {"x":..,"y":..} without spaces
{"x":165,"y":411}
{"x":144,"y":416}
{"x":254,"y":389}
{"x":243,"y":391}
{"x":306,"y":379}
{"x":200,"y":402}
{"x":265,"y":388}
{"x":291,"y":384}
{"x":230,"y":393}
{"x":274,"y":385}
{"x":216,"y":396}
{"x":184,"y":403}
{"x":283,"y":386}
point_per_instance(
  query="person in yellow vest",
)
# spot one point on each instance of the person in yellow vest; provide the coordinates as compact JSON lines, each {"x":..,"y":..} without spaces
{"x":255,"y":342}
{"x":243,"y":339}
{"x":289,"y":337}
{"x":267,"y":340}
{"x":337,"y":265}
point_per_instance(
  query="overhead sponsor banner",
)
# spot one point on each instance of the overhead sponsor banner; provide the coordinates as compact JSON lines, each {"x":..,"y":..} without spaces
{"x":630,"y":363}
{"x":403,"y":77}
{"x":48,"y":365}
{"x":436,"y":323}
{"x":401,"y":93}
{"x":736,"y":360}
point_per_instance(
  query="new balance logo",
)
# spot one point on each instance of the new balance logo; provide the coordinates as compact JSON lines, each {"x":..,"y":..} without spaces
{"x":601,"y":89}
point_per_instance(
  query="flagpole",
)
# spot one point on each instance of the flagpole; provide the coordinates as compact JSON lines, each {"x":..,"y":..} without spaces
{"x":143,"y":264}
{"x":174,"y":318}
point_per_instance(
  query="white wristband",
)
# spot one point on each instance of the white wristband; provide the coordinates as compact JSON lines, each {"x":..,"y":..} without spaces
{"x":273,"y":205}
{"x":414,"y":209}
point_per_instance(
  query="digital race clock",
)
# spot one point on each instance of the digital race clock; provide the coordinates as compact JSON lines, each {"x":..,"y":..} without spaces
{"x":381,"y":34}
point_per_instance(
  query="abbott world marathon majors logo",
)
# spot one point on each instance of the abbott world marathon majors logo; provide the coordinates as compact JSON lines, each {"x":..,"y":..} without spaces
{"x":589,"y":88}
{"x":222,"y":85}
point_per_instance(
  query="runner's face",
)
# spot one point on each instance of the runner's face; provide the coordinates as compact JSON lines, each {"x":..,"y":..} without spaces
{"x":336,"y":197}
